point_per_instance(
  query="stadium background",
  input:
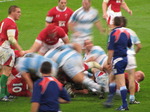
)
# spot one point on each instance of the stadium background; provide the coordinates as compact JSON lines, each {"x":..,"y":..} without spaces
{"x":32,"y":22}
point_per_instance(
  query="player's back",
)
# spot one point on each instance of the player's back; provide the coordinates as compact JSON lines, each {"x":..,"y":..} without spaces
{"x":61,"y":54}
{"x":32,"y":63}
{"x":120,"y":39}
{"x":135,"y":40}
{"x":49,"y":93}
{"x":97,"y":52}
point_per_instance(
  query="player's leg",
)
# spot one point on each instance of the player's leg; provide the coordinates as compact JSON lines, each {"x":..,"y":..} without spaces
{"x":7,"y":61}
{"x":120,"y":81}
{"x":131,"y":83}
{"x":89,"y":83}
{"x":6,"y":71}
{"x":74,"y":69}
{"x":112,"y":91}
{"x":131,"y":71}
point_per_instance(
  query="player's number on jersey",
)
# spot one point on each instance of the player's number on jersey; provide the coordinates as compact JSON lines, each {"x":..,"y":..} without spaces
{"x":16,"y":89}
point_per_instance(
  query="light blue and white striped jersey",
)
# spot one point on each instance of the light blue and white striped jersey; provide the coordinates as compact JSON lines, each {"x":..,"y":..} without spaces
{"x":32,"y":63}
{"x":135,"y":40}
{"x":98,"y":53}
{"x":61,"y":54}
{"x":84,"y":20}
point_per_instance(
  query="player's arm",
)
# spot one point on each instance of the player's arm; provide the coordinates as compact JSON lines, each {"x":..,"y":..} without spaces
{"x":104,"y":9}
{"x":138,"y":47}
{"x":110,"y":52}
{"x":125,"y":7}
{"x":35,"y":106}
{"x":35,"y":47}
{"x":99,"y":26}
{"x":110,"y":55}
{"x":92,"y":58}
{"x":13,"y":41}
{"x":77,"y":47}
{"x":64,"y":97}
{"x":61,"y":100}
{"x":65,"y":39}
{"x":71,"y":25}
{"x":36,"y":97}
{"x":48,"y":20}
{"x":28,"y":80}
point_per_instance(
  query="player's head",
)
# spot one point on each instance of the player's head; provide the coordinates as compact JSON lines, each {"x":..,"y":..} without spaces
{"x":124,"y":21}
{"x":62,"y":4}
{"x":88,"y":44}
{"x":139,"y":76}
{"x":120,"y":21}
{"x":14,"y":12}
{"x":46,"y":68}
{"x":86,"y":4}
{"x":52,"y":29}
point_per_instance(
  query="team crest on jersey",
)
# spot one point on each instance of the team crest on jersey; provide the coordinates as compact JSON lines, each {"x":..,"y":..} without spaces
{"x":66,"y":15}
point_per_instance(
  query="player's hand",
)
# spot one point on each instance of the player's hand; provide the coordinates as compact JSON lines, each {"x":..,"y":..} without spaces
{"x":109,"y":66}
{"x":130,"y":12}
{"x":27,"y":51}
{"x":105,"y":16}
{"x":22,"y":53}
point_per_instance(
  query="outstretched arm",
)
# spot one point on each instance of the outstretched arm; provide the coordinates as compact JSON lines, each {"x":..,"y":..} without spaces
{"x":35,"y":47}
{"x":99,"y":26}
{"x":104,"y":9}
{"x":125,"y":7}
{"x":65,"y":39}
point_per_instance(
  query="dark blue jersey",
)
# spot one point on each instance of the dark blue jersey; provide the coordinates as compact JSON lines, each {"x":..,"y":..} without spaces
{"x":46,"y":92}
{"x":118,"y":41}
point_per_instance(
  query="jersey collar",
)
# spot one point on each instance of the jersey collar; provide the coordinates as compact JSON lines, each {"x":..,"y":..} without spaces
{"x":11,"y":18}
{"x":60,"y":9}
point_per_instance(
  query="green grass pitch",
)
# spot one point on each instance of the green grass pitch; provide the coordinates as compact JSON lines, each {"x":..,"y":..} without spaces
{"x":32,"y":22}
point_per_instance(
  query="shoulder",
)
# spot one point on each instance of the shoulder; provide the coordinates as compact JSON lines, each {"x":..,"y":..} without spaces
{"x":93,"y":10}
{"x":52,"y":10}
{"x":9,"y":22}
{"x":132,"y":33}
{"x":55,"y":81}
{"x":78,"y":10}
{"x":38,"y":81}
